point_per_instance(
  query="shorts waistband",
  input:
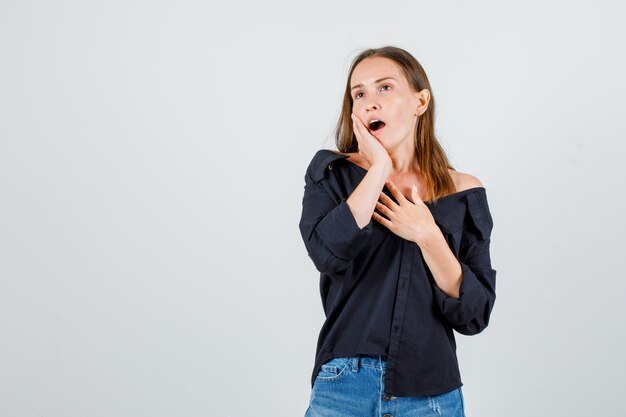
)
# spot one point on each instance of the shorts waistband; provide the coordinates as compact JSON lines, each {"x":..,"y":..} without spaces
{"x":371,"y":361}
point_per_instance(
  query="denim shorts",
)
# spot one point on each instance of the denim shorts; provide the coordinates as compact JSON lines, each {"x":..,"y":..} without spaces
{"x":354,"y":387}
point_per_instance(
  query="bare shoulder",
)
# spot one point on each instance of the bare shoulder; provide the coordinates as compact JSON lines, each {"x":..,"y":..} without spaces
{"x":463,"y":181}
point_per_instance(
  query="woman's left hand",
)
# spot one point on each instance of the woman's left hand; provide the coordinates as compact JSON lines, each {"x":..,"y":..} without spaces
{"x":410,"y":220}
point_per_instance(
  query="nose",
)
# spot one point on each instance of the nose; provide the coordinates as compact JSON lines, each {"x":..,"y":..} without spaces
{"x":371,"y":107}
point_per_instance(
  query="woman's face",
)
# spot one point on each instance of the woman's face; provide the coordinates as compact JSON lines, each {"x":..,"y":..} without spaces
{"x":381,"y":92}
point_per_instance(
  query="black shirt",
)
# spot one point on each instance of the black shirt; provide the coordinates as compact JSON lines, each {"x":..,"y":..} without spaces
{"x":379,"y":296}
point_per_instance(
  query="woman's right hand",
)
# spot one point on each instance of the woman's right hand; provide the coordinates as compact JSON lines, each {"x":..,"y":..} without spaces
{"x":369,"y":147}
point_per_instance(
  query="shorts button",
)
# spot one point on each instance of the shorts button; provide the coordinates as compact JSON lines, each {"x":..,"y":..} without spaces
{"x":386,"y":397}
{"x":386,"y":415}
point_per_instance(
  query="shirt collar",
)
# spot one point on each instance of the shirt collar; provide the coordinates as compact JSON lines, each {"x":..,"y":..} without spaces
{"x":323,"y":160}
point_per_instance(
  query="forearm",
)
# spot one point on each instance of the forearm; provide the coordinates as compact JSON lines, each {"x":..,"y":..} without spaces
{"x":363,"y":199}
{"x":442,"y":262}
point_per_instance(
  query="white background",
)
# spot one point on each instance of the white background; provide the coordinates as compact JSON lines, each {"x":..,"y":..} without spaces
{"x":152,"y":159}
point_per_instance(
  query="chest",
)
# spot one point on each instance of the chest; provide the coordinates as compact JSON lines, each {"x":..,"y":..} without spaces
{"x":405,"y":184}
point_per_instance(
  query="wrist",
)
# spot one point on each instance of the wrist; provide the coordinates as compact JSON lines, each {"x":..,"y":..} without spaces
{"x":380,"y":171}
{"x":382,"y":167}
{"x":428,"y":237}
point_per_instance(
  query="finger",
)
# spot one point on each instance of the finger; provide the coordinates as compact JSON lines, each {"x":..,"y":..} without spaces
{"x":388,"y":201}
{"x":380,"y":219}
{"x":356,"y":119}
{"x":357,"y":123}
{"x":384,"y":209}
{"x":415,"y":196}
{"x":361,"y":126}
{"x":395,"y":191}
{"x":355,"y":128}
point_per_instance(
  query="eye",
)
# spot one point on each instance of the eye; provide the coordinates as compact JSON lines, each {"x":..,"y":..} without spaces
{"x":382,"y":86}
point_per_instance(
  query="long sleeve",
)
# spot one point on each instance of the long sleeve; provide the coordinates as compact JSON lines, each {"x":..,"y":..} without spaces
{"x":469,"y":314}
{"x":329,"y":229}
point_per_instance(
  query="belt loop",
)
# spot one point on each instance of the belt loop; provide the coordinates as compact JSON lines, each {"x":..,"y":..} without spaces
{"x":355,"y":362}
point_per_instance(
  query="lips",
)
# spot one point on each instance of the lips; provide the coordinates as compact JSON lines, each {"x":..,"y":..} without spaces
{"x":376,"y":125}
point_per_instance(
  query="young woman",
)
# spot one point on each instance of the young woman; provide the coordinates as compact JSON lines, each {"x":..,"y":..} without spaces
{"x":401,"y":240}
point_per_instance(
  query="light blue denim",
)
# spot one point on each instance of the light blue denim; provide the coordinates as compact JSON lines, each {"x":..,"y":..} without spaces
{"x":354,"y":387}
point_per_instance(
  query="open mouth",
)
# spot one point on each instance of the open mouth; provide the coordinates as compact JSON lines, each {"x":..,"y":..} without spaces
{"x":376,"y":125}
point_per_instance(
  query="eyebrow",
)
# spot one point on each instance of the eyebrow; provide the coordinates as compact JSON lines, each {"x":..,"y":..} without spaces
{"x":377,"y":81}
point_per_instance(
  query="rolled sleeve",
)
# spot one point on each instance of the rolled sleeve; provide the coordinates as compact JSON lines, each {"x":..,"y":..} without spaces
{"x":469,"y":314}
{"x":329,"y":230}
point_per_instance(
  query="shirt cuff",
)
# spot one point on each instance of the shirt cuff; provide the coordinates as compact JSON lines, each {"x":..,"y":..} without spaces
{"x":472,"y":299}
{"x":340,"y":232}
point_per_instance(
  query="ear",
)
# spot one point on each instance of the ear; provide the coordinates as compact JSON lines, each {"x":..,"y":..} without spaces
{"x":423,"y":98}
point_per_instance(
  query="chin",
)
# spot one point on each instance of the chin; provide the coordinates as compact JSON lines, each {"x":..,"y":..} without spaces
{"x":382,"y":142}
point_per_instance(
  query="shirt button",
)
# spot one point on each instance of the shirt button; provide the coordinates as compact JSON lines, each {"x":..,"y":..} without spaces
{"x":330,"y":167}
{"x":386,"y":397}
